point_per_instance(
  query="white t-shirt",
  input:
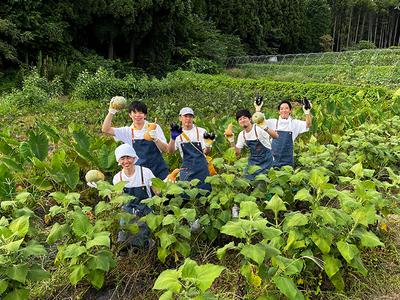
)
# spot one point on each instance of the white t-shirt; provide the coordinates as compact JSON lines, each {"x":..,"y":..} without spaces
{"x":124,"y":134}
{"x":290,"y":124}
{"x":192,"y":135}
{"x":263,"y":137}
{"x":136,"y":179}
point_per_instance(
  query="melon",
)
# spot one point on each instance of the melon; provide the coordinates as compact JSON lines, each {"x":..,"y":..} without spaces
{"x":119,"y":103}
{"x":258,"y":118}
{"x":94,"y":176}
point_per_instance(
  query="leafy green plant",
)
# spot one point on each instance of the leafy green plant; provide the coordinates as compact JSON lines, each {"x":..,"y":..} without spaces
{"x":189,"y":281}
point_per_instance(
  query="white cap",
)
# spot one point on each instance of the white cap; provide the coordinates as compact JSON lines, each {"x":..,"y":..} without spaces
{"x":125,"y":150}
{"x":186,"y":111}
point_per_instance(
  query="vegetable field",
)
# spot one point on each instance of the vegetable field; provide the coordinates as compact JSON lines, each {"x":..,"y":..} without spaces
{"x":326,"y":229}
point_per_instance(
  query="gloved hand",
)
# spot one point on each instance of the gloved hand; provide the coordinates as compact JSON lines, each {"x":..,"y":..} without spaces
{"x":175,"y":130}
{"x":307,"y":106}
{"x":209,"y":139}
{"x":258,"y":103}
{"x":92,"y":184}
{"x":112,"y":110}
{"x":230,"y":138}
{"x":153,"y":135}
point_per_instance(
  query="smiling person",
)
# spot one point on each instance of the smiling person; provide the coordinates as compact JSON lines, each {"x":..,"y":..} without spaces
{"x":149,"y":148}
{"x":257,"y":139}
{"x":288,"y":130}
{"x":138,"y":185}
{"x":189,"y":140}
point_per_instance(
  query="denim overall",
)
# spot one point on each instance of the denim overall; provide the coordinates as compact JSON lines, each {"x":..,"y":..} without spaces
{"x":194,"y":163}
{"x":150,"y":157}
{"x":282,"y":148}
{"x":139,"y":210}
{"x":259,"y":155}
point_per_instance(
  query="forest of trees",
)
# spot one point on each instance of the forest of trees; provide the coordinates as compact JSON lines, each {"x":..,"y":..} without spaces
{"x":160,"y":34}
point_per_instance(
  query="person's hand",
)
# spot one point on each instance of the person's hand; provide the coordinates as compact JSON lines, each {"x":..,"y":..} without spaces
{"x":153,"y":135}
{"x":92,"y":185}
{"x":209,"y":139}
{"x":230,"y":138}
{"x":175,"y":130}
{"x":112,"y":110}
{"x":307,"y":106}
{"x":258,"y":103}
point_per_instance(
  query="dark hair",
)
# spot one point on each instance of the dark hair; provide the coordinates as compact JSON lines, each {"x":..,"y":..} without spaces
{"x":138,"y":107}
{"x":287,"y":102}
{"x":243,"y":113}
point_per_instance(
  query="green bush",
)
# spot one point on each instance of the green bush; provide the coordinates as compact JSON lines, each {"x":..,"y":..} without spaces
{"x":201,"y":65}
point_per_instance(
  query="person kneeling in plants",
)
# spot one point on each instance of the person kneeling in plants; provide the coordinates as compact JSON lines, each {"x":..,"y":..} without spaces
{"x":138,"y":184}
{"x":257,"y":139}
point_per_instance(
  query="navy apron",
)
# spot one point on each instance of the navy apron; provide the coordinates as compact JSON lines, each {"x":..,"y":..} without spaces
{"x":194,"y":163}
{"x":138,"y":209}
{"x":150,"y":157}
{"x":282,"y":148}
{"x":259,"y":155}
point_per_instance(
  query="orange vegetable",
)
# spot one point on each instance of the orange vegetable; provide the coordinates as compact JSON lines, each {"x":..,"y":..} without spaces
{"x":151,"y":126}
{"x":172,"y":176}
{"x":228,"y":131}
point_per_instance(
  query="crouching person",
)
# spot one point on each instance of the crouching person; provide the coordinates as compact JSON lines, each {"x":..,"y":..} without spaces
{"x":138,"y":185}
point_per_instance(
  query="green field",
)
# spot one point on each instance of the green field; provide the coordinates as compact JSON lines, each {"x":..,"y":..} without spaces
{"x":327,"y":229}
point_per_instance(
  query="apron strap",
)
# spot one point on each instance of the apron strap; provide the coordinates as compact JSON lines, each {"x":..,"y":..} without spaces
{"x":255,"y":131}
{"x":141,"y":174}
{"x":197,"y":129}
{"x":133,"y":134}
{"x":244,"y":136}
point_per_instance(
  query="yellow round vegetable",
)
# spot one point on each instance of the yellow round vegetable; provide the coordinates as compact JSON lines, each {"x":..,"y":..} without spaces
{"x":94,"y":176}
{"x":119,"y":103}
{"x":258,"y":117}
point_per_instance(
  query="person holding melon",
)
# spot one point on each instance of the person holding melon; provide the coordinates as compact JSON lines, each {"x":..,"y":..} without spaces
{"x":193,"y":143}
{"x":146,"y":138}
{"x":256,"y":138}
{"x":288,"y":130}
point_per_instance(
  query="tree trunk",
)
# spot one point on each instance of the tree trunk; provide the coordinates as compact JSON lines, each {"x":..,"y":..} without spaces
{"x":111,"y":47}
{"x":357,"y":27}
{"x":132,"y":50}
{"x":376,"y":28}
{"x":395,"y":29}
{"x":333,"y":34}
{"x":349,"y":29}
{"x":361,"y":35}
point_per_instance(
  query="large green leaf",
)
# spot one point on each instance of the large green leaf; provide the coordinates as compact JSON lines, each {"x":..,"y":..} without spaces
{"x":37,"y":273}
{"x":11,"y":164}
{"x":249,"y":209}
{"x":348,"y":251}
{"x":57,"y":232}
{"x":276,"y":204}
{"x":102,"y":260}
{"x":234,"y":229}
{"x":331,"y":265}
{"x":3,"y":286}
{"x":296,"y":219}
{"x":74,"y":251}
{"x":81,"y":224}
{"x":369,"y":239}
{"x":12,"y":246}
{"x":39,"y":144}
{"x":99,"y":239}
{"x":323,"y":240}
{"x":287,"y":287}
{"x":106,"y":158}
{"x":70,"y":174}
{"x":255,"y":252}
{"x":168,"y":280}
{"x":33,"y":248}
{"x":17,"y":272}
{"x":78,"y":272}
{"x":206,"y":274}
{"x":96,"y":278}
{"x":20,"y":226}
{"x":17,"y":294}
